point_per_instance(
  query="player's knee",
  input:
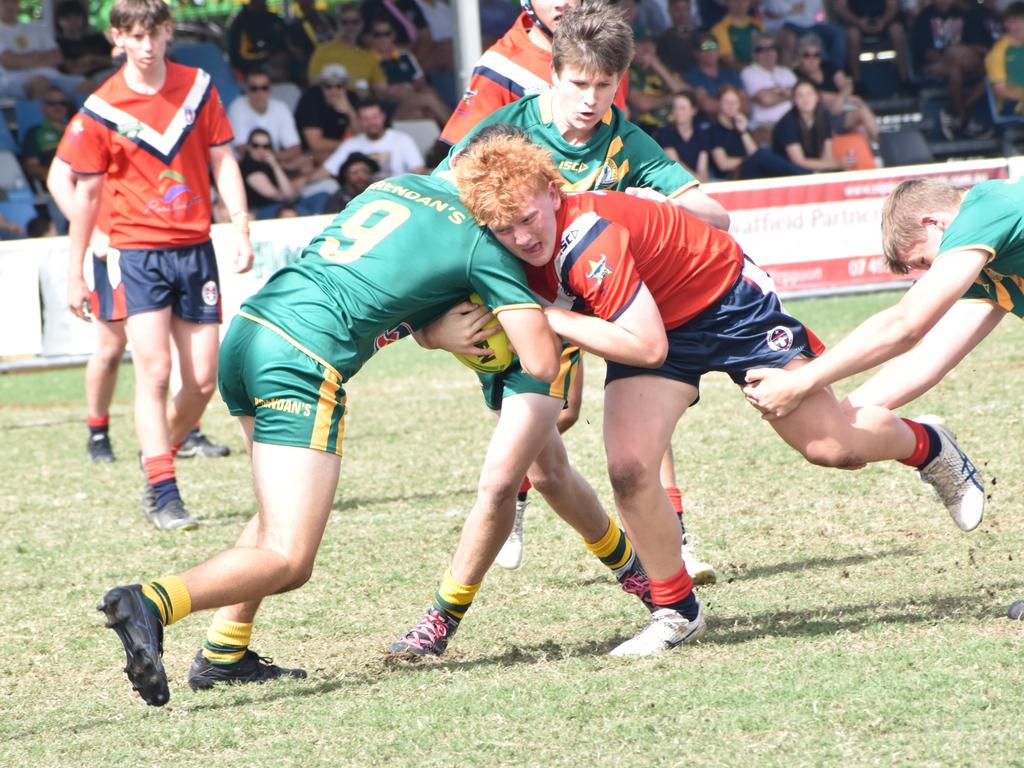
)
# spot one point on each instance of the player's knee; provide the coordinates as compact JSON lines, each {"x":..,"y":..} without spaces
{"x":495,"y":490}
{"x":827,"y":453}
{"x":297,"y":574}
{"x":549,"y":478}
{"x":627,"y":476}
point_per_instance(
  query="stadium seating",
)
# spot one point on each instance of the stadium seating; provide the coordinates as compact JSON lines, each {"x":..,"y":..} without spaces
{"x":12,"y":178}
{"x":289,"y":93}
{"x":7,"y":141}
{"x":28,"y":113}
{"x":209,"y":57}
{"x":907,"y":147}
{"x":424,"y":132}
{"x":19,"y":212}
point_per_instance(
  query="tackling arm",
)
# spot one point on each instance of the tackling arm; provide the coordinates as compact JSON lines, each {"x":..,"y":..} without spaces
{"x":879,"y":338}
{"x":534,"y":341}
{"x":636,"y":337}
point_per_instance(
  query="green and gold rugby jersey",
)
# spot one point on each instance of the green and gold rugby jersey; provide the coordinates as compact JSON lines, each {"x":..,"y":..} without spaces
{"x":991,"y":219}
{"x":397,"y":257}
{"x":618,"y":155}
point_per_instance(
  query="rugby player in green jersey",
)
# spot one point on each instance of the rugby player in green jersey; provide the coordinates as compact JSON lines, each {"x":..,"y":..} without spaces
{"x":972,"y":246}
{"x":283,"y":365}
{"x":594,"y":147}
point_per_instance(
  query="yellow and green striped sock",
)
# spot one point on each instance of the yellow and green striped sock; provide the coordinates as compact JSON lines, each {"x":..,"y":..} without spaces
{"x":613,"y":549}
{"x":168,"y":599}
{"x":226,"y":641}
{"x":453,"y":598}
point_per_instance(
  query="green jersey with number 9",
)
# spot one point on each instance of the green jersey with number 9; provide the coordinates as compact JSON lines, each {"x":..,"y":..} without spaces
{"x":397,"y":257}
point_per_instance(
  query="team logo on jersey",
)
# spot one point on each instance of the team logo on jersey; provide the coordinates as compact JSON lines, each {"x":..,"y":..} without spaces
{"x":171,"y":185}
{"x":210,"y":293}
{"x":400,"y":331}
{"x":570,"y":236}
{"x":779,"y":338}
{"x":599,"y":270}
{"x":76,"y":126}
{"x":467,"y":97}
{"x":129,"y":130}
{"x":608,"y":176}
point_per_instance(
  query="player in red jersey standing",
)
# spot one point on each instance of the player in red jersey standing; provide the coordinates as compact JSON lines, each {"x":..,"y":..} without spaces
{"x":667,"y":299}
{"x":518,"y":65}
{"x":149,"y":136}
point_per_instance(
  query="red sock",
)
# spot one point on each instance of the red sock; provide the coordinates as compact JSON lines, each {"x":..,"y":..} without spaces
{"x":526,"y":485}
{"x":673,"y":589}
{"x":676,"y":497}
{"x":158,"y":468}
{"x":98,"y":422}
{"x":923,"y":443}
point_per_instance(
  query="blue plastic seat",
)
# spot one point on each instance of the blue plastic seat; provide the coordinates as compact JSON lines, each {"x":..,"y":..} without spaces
{"x":209,"y":57}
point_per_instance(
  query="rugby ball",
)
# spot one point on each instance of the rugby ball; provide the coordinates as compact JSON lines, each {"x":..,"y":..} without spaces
{"x":499,"y":353}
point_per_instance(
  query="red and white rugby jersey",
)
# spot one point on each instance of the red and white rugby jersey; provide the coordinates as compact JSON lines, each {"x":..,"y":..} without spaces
{"x":611,"y":242}
{"x":155,"y":152}
{"x":509,"y":70}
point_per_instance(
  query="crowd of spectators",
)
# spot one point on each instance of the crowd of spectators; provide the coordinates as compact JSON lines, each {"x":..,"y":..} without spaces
{"x":731,"y":88}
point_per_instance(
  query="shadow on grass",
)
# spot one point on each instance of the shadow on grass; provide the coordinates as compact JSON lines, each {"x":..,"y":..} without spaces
{"x":815,"y":621}
{"x":733,"y":573}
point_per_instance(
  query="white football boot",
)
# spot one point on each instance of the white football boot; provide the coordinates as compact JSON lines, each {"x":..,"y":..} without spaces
{"x":665,"y":630}
{"x":954,"y":478}
{"x":700,"y":572}
{"x":511,"y":554}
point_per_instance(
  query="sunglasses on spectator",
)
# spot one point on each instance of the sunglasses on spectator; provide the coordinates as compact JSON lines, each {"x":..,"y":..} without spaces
{"x":254,"y":87}
{"x":811,"y":54}
{"x":382,"y":33}
{"x":763,"y":48}
{"x":333,"y":86}
{"x":254,"y":145}
{"x":56,"y":103}
{"x":351,"y":22}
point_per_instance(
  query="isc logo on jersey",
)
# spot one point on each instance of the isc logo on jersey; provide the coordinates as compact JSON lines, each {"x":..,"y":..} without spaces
{"x":499,"y":353}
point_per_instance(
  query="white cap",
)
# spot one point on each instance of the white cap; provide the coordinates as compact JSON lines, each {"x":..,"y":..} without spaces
{"x":333,"y":73}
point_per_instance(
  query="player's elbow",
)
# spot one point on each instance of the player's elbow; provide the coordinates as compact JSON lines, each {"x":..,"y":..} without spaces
{"x":542,"y":367}
{"x":653,"y":352}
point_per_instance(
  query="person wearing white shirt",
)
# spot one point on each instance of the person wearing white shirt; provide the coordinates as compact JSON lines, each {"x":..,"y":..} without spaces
{"x":29,"y":57}
{"x":395,"y":152}
{"x":258,"y":110}
{"x":769,"y":86}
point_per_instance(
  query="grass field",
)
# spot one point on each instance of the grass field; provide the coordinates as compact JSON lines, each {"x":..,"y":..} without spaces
{"x":852,"y":624}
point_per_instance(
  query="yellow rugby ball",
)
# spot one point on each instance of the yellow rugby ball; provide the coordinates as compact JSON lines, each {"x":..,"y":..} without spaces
{"x":499,"y":353}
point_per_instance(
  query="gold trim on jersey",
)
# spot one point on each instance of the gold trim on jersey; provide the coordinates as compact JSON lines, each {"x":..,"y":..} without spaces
{"x":502,"y":308}
{"x":692,"y":184}
{"x":560,"y":386}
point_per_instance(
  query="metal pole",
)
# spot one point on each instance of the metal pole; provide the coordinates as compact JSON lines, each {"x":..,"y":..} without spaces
{"x":467,"y":41}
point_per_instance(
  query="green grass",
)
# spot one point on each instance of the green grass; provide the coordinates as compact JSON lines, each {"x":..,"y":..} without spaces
{"x":852,"y":624}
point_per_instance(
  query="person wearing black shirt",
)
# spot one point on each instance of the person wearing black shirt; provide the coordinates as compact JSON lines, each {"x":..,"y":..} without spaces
{"x":686,"y":139}
{"x":734,"y":152}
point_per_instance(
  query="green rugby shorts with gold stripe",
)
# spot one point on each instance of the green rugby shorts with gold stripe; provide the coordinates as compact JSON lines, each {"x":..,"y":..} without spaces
{"x":295,"y":396}
{"x":515,"y":381}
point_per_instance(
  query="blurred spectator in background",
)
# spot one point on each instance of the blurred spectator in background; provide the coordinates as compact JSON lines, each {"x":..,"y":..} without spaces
{"x":769,"y":85}
{"x":40,"y":144}
{"x":9,"y":230}
{"x":355,"y":175}
{"x":678,"y":44}
{"x":258,"y":109}
{"x":395,"y":152}
{"x":788,"y":19}
{"x":687,"y":138}
{"x":363,"y":69}
{"x":41,"y":226}
{"x":257,"y":40}
{"x":866,"y":19}
{"x":708,"y":76}
{"x":651,"y":86}
{"x":29,"y":58}
{"x":325,"y":112}
{"x":496,"y":16}
{"x":1004,"y":64}
{"x":734,"y":152}
{"x":518,"y":65}
{"x":84,"y":51}
{"x":847,"y":111}
{"x":948,"y":42}
{"x":307,"y":29}
{"x":803,"y":135}
{"x":267,"y":186}
{"x":735,"y":34}
{"x":407,"y":88}
{"x":646,"y":16}
{"x":409,"y":19}
{"x":433,"y":44}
